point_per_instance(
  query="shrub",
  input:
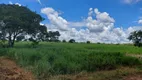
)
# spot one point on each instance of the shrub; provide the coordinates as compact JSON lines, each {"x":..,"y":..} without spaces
{"x":88,"y":42}
{"x":71,"y":41}
{"x":64,"y":41}
{"x":3,"y":51}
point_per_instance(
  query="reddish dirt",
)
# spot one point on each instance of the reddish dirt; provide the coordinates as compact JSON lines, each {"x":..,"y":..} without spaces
{"x":134,"y":77}
{"x":10,"y":71}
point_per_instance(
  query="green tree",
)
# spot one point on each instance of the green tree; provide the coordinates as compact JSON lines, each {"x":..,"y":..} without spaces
{"x":136,"y":37}
{"x":71,"y":41}
{"x":53,"y":36}
{"x":18,"y":20}
{"x":88,"y":42}
{"x":64,"y":41}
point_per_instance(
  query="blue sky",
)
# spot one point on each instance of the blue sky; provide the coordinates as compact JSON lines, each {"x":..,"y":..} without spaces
{"x":73,"y":10}
{"x":126,"y":13}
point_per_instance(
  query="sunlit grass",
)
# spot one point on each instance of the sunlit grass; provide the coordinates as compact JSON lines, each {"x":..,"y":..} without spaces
{"x":67,"y":58}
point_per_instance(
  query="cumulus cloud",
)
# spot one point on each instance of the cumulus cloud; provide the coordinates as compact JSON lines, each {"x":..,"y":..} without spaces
{"x":102,"y":22}
{"x":54,"y":18}
{"x":18,"y":4}
{"x":140,"y":21}
{"x":131,"y":1}
{"x":77,"y":24}
{"x":99,"y":27}
{"x":15,"y":3}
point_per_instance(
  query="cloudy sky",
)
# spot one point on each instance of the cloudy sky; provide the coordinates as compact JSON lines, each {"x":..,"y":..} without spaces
{"x":106,"y":21}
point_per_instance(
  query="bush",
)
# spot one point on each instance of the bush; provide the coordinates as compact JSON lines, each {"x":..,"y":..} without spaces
{"x":88,"y":42}
{"x":64,"y":41}
{"x":3,"y":44}
{"x":71,"y":41}
{"x":107,"y":61}
{"x":3,"y":51}
{"x":35,"y":44}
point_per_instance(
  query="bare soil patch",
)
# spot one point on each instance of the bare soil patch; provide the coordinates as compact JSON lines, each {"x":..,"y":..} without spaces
{"x":124,"y":73}
{"x":134,"y":77}
{"x":10,"y":71}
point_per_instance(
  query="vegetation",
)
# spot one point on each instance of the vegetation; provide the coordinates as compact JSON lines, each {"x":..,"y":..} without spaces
{"x":71,"y":41}
{"x":14,"y":24}
{"x":64,"y":41}
{"x":49,"y":59}
{"x":88,"y":42}
{"x":136,"y":37}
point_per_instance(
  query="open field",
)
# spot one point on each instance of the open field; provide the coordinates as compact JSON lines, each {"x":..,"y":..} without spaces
{"x":52,"y":59}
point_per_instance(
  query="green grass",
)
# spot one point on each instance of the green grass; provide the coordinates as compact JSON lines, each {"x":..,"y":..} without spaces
{"x":65,"y":58}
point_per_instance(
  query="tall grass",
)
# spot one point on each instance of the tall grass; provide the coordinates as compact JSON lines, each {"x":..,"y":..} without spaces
{"x":63,"y":58}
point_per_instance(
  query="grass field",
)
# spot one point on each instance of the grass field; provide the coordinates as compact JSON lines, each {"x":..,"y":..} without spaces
{"x":49,"y":59}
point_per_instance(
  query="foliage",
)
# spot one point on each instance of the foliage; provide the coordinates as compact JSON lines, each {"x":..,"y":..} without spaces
{"x":64,"y":41}
{"x":65,"y":58}
{"x":71,"y":41}
{"x":3,"y":44}
{"x":34,"y":42}
{"x":19,"y":20}
{"x":136,"y":37}
{"x":88,"y":42}
{"x":20,"y":38}
{"x":53,"y":36}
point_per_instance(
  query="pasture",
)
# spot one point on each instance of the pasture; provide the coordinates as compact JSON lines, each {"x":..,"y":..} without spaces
{"x":49,"y":59}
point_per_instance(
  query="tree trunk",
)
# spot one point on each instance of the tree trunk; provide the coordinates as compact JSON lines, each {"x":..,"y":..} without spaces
{"x":11,"y":42}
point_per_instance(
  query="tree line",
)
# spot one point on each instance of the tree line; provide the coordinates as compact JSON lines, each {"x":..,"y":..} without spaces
{"x":17,"y":22}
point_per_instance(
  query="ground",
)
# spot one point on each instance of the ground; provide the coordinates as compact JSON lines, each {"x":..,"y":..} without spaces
{"x":10,"y":71}
{"x":134,"y":77}
{"x":123,"y":73}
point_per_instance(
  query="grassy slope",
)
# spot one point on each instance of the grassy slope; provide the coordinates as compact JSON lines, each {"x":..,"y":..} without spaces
{"x":84,"y":47}
{"x":65,"y":58}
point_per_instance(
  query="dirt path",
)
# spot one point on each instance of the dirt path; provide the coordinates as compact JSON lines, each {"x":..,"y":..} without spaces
{"x":134,"y":77}
{"x":124,"y":73}
{"x":10,"y":71}
{"x":139,"y":56}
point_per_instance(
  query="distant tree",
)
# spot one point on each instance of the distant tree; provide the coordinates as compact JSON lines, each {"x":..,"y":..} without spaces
{"x":98,"y":43}
{"x":88,"y":42}
{"x":20,"y":38}
{"x":19,"y":20}
{"x":34,"y":42}
{"x":54,"y":36}
{"x":64,"y":41}
{"x":71,"y":41}
{"x":136,"y":37}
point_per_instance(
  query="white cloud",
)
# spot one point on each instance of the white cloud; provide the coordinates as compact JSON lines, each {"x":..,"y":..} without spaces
{"x":140,"y":21}
{"x":18,"y":4}
{"x":55,"y":19}
{"x":15,"y":3}
{"x":131,"y":1}
{"x":41,"y":24}
{"x":90,"y":12}
{"x":39,"y":1}
{"x":103,"y":17}
{"x":99,"y":28}
{"x":77,"y":24}
{"x":10,"y":2}
{"x":102,"y":22}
